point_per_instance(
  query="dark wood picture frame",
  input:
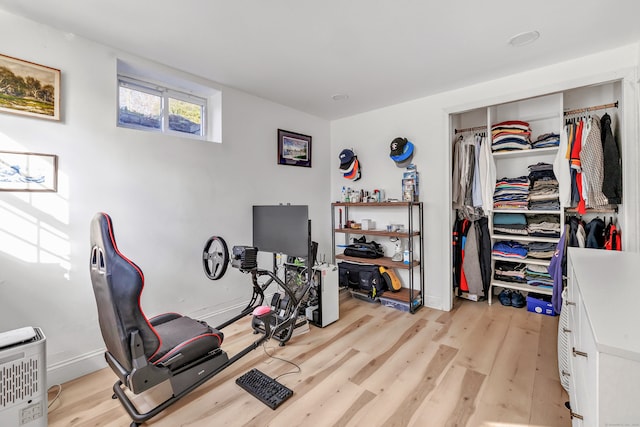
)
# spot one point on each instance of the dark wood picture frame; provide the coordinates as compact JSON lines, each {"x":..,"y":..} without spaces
{"x":294,"y":149}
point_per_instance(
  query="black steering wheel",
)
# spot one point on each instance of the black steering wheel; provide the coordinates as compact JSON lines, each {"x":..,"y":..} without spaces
{"x":215,"y":258}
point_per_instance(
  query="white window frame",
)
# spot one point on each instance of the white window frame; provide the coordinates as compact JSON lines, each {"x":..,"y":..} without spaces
{"x":164,"y":93}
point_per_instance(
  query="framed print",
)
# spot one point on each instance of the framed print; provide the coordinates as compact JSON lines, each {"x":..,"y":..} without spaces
{"x":29,"y":89}
{"x":294,"y":149}
{"x":28,"y":171}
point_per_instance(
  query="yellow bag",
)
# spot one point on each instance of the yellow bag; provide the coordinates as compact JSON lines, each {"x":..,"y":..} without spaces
{"x":390,"y":277}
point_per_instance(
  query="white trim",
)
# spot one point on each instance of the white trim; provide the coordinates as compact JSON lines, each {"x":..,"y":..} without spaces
{"x":75,"y":367}
{"x":84,"y":364}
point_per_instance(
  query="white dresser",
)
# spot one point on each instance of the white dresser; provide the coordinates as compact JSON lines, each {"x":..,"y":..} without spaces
{"x":603,"y":303}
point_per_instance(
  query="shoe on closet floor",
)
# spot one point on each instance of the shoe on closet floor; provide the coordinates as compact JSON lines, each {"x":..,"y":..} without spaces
{"x":505,"y":297}
{"x":518,"y":300}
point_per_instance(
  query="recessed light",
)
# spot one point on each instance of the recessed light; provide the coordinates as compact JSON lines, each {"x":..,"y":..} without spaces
{"x":524,"y":38}
{"x":340,"y":97}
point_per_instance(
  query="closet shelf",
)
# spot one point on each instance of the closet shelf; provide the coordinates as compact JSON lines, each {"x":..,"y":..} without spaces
{"x":403,"y":234}
{"x":602,"y":209}
{"x":384,"y":261}
{"x":527,"y":211}
{"x":532,"y":261}
{"x":522,"y":287}
{"x":521,"y":238}
{"x":525,"y":153}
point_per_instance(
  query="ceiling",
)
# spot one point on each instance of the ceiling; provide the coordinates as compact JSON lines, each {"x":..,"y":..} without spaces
{"x":378,"y":52}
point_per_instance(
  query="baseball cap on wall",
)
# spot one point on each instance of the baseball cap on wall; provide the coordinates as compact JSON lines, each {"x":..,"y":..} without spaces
{"x":354,"y":170}
{"x":401,"y":152}
{"x":397,"y":146}
{"x":346,"y":158}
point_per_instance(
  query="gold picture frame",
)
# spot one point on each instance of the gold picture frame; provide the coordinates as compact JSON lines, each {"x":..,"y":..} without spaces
{"x":29,"y":89}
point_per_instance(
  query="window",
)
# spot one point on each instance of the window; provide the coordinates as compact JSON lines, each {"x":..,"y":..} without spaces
{"x":148,"y":106}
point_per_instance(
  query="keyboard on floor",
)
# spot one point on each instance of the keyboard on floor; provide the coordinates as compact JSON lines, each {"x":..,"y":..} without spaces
{"x":264,"y":388}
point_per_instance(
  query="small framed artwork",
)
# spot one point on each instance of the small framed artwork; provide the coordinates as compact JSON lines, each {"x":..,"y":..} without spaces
{"x":29,"y":89}
{"x":28,"y":171}
{"x":294,"y":149}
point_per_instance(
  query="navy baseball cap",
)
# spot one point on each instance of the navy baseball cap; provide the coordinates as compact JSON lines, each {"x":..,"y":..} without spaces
{"x":346,"y":158}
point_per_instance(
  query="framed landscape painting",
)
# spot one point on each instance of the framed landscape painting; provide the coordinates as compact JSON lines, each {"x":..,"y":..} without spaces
{"x":294,"y":149}
{"x":29,"y":89}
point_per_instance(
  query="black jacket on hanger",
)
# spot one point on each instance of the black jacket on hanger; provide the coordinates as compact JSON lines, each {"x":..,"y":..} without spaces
{"x":612,"y":185}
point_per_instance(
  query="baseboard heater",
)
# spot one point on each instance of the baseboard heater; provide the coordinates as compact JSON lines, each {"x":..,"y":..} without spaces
{"x":23,"y":369}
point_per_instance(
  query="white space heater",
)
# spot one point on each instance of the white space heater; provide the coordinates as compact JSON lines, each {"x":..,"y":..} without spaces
{"x":23,"y":368}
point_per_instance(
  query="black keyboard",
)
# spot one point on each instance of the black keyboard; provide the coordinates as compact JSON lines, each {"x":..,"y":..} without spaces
{"x":264,"y":388}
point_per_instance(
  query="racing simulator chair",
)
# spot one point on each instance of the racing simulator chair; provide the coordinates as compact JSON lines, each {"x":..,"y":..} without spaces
{"x":145,"y":352}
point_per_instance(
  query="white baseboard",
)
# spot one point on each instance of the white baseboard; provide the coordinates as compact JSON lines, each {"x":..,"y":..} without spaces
{"x":92,"y":361}
{"x":436,"y":303}
{"x":75,"y":367}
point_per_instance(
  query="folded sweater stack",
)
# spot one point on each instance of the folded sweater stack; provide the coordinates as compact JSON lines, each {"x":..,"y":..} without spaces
{"x":510,"y":135}
{"x":546,"y":140}
{"x":543,"y":188}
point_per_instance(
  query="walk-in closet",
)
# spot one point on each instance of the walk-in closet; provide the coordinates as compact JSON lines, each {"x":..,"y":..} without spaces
{"x":526,"y":174}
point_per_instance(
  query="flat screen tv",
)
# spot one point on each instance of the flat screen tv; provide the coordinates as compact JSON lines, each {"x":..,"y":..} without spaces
{"x":282,"y":229}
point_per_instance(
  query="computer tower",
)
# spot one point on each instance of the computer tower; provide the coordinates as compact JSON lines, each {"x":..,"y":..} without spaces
{"x":325,"y":278}
{"x":23,"y":373}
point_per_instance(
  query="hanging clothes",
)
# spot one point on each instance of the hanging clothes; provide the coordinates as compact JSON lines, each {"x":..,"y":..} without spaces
{"x":612,"y":183}
{"x":592,"y":161}
{"x":476,"y":189}
{"x":470,"y":167}
{"x":562,"y":171}
{"x":595,"y":233}
{"x":471,"y":270}
{"x":558,"y":269}
{"x":460,"y":229}
{"x":576,"y":168}
{"x":577,"y":235}
{"x":612,"y":238}
{"x":487,"y":175}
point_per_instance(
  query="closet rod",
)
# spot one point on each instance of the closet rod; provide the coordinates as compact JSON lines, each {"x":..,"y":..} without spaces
{"x":471,"y":129}
{"x":597,"y":107}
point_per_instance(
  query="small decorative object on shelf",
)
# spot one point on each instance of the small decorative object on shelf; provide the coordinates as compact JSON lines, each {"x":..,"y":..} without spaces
{"x":410,"y":184}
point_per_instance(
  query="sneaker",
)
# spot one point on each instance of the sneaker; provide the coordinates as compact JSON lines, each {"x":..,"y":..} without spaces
{"x":517,"y":300}
{"x":505,"y":297}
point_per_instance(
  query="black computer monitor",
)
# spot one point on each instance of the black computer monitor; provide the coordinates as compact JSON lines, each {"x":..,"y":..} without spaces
{"x":282,"y":229}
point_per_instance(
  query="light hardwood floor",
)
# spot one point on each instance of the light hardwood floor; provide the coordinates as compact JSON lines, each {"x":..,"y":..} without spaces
{"x":477,"y":365}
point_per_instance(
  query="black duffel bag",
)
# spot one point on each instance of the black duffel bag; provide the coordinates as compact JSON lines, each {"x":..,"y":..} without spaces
{"x":362,"y":249}
{"x":364,"y":277}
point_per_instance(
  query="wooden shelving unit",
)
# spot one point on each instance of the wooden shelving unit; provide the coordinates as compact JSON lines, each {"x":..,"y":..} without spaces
{"x":413,"y":233}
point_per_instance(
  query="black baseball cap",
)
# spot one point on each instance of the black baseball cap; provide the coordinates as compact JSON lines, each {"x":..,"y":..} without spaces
{"x":397,"y":146}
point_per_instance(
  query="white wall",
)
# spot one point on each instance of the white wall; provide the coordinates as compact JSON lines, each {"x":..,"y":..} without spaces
{"x":425,"y":122}
{"x":166,"y":196}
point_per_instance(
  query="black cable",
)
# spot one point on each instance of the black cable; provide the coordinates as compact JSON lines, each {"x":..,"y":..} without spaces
{"x":299,"y":370}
